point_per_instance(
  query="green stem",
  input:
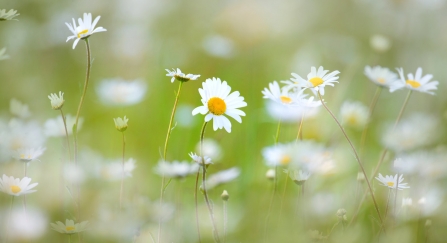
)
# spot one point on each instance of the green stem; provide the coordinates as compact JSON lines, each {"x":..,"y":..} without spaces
{"x":300,"y":132}
{"x":372,"y":106}
{"x":122,"y":178}
{"x":195,"y":202}
{"x":66,"y":134}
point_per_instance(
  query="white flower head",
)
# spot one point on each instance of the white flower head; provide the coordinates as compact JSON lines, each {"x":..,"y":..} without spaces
{"x":415,"y":82}
{"x":3,"y":55}
{"x":289,"y":114}
{"x":407,"y":202}
{"x":279,"y":154}
{"x":199,"y":160}
{"x":121,"y":123}
{"x":69,"y":227}
{"x":210,"y":148}
{"x":114,"y":170}
{"x":55,"y":127}
{"x":270,"y":174}
{"x":85,"y":29}
{"x":19,"y":109}
{"x":354,"y":114}
{"x":380,"y":43}
{"x":217,"y":102}
{"x":316,"y":79}
{"x":27,"y":226}
{"x":222,"y":177}
{"x":299,"y":176}
{"x":10,"y":15}
{"x":381,"y":76}
{"x":56,"y":101}
{"x":120,"y":92}
{"x":28,"y":154}
{"x":15,"y":186}
{"x":391,"y":181}
{"x":177,"y":74}
{"x":288,"y":97}
{"x":176,"y":169}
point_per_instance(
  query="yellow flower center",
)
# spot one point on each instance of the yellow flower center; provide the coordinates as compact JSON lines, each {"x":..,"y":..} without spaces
{"x":81,"y":33}
{"x":217,"y":106}
{"x":413,"y":83}
{"x":352,"y":119}
{"x":381,"y":80}
{"x":25,"y":157}
{"x":316,"y":81}
{"x":285,"y":99}
{"x":390,"y":184}
{"x":285,"y":160}
{"x":70,"y":228}
{"x":15,"y":189}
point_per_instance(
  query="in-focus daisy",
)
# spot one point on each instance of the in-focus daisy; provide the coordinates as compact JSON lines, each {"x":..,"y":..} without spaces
{"x":85,"y":29}
{"x":199,"y":160}
{"x":176,"y":169}
{"x":121,"y":123}
{"x":316,"y":79}
{"x":177,"y":74}
{"x":55,"y":127}
{"x":56,"y":101}
{"x":69,"y":227}
{"x":217,"y":102}
{"x":19,"y":109}
{"x":222,"y":177}
{"x":8,"y":15}
{"x":354,"y":114}
{"x":28,"y":154}
{"x":381,"y":76}
{"x":3,"y":55}
{"x":391,"y":181}
{"x":415,"y":82}
{"x":299,"y":176}
{"x":120,"y":92}
{"x":288,"y":97}
{"x":15,"y":186}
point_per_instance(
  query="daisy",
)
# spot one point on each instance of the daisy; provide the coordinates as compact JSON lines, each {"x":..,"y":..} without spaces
{"x":381,"y":76}
{"x":69,"y":227}
{"x":28,"y":154}
{"x":57,"y":101}
{"x":289,"y":114}
{"x":287,"y":97}
{"x":121,"y":123}
{"x":15,"y":186}
{"x":354,"y":114}
{"x":120,"y":92}
{"x":299,"y":176}
{"x":222,"y":177}
{"x":279,"y":155}
{"x":8,"y":15}
{"x":199,"y":160}
{"x":176,"y":169}
{"x":177,"y":74}
{"x":3,"y":55}
{"x":415,"y":82}
{"x":85,"y":29}
{"x":316,"y":80}
{"x":391,"y":181}
{"x":217,"y":101}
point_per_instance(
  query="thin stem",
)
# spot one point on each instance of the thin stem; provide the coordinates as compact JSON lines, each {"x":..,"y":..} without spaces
{"x":401,"y":112}
{"x":225,"y":212}
{"x":395,"y":195}
{"x":24,"y":196}
{"x":300,"y":126}
{"x":283,"y":195}
{"x":69,"y":238}
{"x":122,"y":178}
{"x":66,"y":134}
{"x":165,"y":150}
{"x":356,"y":157}
{"x":372,"y":106}
{"x":195,"y":202}
{"x":387,"y":203}
{"x":9,"y":219}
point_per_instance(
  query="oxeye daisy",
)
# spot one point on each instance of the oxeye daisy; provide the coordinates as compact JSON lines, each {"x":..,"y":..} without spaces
{"x":381,"y":76}
{"x":177,"y":74}
{"x":28,"y":154}
{"x":217,"y":102}
{"x":354,"y":114}
{"x":10,"y":15}
{"x":199,"y":160}
{"x":15,"y":186}
{"x":415,"y":82}
{"x":85,"y":28}
{"x":222,"y":177}
{"x":56,"y":101}
{"x":176,"y":169}
{"x":121,"y":123}
{"x":391,"y":181}
{"x":316,"y":79}
{"x":298,"y":176}
{"x":287,"y":97}
{"x":69,"y":227}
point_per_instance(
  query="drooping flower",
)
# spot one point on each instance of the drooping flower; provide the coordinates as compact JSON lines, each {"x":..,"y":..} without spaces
{"x":69,"y":227}
{"x":85,"y":29}
{"x":121,"y":123}
{"x":10,"y":15}
{"x":316,"y":80}
{"x":381,"y":76}
{"x":415,"y":82}
{"x":56,"y":101}
{"x":120,"y":92}
{"x":176,"y":169}
{"x":28,"y":154}
{"x":354,"y":114}
{"x":177,"y":74}
{"x":218,"y":102}
{"x":391,"y":181}
{"x":15,"y":186}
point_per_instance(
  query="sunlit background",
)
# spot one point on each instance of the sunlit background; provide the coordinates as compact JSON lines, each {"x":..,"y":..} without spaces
{"x":249,"y":44}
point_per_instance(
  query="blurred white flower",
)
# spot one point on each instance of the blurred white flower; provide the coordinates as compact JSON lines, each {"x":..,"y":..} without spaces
{"x":391,"y":181}
{"x":27,"y":226}
{"x":407,"y":202}
{"x":279,"y":154}
{"x":316,"y":79}
{"x":430,"y":201}
{"x":55,"y":127}
{"x":85,"y":28}
{"x":28,"y":154}
{"x":176,"y":169}
{"x":270,"y":174}
{"x":19,"y":109}
{"x":69,"y":227}
{"x":354,"y":114}
{"x":73,"y":173}
{"x":413,"y":132}
{"x":287,"y":97}
{"x":211,"y":149}
{"x":289,"y":114}
{"x":380,"y":43}
{"x":56,"y":101}
{"x":120,"y":92}
{"x":381,"y":76}
{"x":121,"y":123}
{"x":114,"y":170}
{"x":15,"y":186}
{"x":199,"y":160}
{"x":298,"y":176}
{"x":177,"y":74}
{"x":10,"y":15}
{"x":222,"y":177}
{"x":415,"y":82}
{"x":3,"y":55}
{"x":219,"y":46}
{"x":183,"y":116}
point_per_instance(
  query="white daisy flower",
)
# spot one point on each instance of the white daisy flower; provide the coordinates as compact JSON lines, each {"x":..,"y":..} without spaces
{"x":55,"y":127}
{"x":85,"y":28}
{"x":299,"y":176}
{"x":199,"y":160}
{"x":8,"y":15}
{"x":222,"y":177}
{"x":279,"y":154}
{"x":69,"y":227}
{"x":177,"y":74}
{"x":289,"y":114}
{"x":19,"y":109}
{"x":56,"y":101}
{"x":287,"y":97}
{"x":26,"y":225}
{"x":121,"y":123}
{"x":176,"y":169}
{"x":391,"y":181}
{"x":381,"y":76}
{"x":28,"y":154}
{"x":3,"y":55}
{"x":217,"y":102}
{"x":114,"y":170}
{"x":415,"y":82}
{"x":120,"y":92}
{"x":15,"y":186}
{"x":354,"y":114}
{"x":316,"y":80}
